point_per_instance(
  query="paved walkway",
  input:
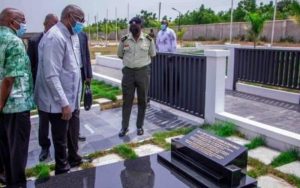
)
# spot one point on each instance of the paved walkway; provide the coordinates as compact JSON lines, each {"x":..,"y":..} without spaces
{"x":101,"y":129}
{"x":272,"y":112}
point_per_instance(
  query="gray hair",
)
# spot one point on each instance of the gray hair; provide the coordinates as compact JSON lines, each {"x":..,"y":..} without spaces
{"x":70,"y":9}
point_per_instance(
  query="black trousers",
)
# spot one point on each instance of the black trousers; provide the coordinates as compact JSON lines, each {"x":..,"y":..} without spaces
{"x":65,"y":138}
{"x":135,"y":79}
{"x":1,"y":159}
{"x":73,"y":134}
{"x":44,"y":140}
{"x":14,"y":142}
{"x":59,"y":129}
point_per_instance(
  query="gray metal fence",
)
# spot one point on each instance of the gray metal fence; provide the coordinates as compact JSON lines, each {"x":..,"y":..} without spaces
{"x":268,"y":66}
{"x":178,"y":80}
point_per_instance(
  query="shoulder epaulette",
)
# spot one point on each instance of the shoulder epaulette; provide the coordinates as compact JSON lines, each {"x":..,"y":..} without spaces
{"x":124,"y":38}
{"x":149,"y":38}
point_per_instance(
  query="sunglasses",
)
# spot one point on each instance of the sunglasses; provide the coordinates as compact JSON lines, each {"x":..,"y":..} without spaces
{"x":78,"y":18}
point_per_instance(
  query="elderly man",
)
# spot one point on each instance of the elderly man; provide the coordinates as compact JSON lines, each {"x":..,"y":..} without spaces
{"x":33,"y":43}
{"x":16,"y":97}
{"x":166,"y":38}
{"x":58,"y":86}
{"x":136,"y":50}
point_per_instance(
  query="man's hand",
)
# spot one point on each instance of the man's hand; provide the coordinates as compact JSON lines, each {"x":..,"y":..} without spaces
{"x":66,"y":113}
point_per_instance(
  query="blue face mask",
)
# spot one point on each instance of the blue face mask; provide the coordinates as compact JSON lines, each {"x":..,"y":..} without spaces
{"x":163,"y":27}
{"x":77,"y":28}
{"x":22,"y":30}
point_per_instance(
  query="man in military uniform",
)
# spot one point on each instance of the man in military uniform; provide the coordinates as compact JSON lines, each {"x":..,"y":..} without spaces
{"x":136,"y":50}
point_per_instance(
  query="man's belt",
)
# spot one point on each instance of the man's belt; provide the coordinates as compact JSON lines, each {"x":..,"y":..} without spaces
{"x":137,"y":68}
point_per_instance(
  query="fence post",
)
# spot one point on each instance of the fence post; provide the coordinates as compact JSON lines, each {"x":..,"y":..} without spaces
{"x":230,"y":66}
{"x":215,"y":83}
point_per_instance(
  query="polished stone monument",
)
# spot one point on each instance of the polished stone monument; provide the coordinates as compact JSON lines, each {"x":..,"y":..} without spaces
{"x":197,"y":160}
{"x":208,"y":160}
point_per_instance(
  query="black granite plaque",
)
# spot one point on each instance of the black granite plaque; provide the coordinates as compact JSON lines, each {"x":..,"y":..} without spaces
{"x":221,"y":161}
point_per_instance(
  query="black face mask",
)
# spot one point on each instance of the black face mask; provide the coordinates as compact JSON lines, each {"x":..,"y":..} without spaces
{"x":134,"y":30}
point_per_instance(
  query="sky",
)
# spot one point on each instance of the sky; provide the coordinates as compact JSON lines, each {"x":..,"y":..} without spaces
{"x":36,"y":10}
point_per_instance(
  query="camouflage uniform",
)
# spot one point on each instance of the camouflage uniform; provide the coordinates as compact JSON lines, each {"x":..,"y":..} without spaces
{"x":14,"y":62}
{"x":15,"y":116}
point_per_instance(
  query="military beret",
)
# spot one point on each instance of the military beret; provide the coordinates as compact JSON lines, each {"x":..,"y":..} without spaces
{"x":136,"y":20}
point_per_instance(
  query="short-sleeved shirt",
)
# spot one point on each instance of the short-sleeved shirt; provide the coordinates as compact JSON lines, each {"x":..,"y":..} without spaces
{"x":136,"y":54}
{"x":15,"y":63}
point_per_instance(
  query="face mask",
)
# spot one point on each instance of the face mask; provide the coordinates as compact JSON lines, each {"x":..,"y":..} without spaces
{"x":22,"y":30}
{"x":134,"y":30}
{"x":163,"y":27}
{"x":77,"y":28}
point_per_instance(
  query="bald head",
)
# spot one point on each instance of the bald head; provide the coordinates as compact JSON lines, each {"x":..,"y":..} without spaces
{"x":71,"y":15}
{"x":9,"y":16}
{"x":50,"y":20}
{"x":70,"y":10}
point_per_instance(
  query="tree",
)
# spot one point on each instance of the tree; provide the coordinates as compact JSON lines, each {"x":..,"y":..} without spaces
{"x":243,"y":7}
{"x":296,"y":10}
{"x":150,"y":19}
{"x":256,"y":21}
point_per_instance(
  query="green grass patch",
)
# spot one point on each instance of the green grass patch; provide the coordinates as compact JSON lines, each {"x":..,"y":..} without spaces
{"x":160,"y":137}
{"x":222,"y":129}
{"x":259,"y":169}
{"x":125,"y":151}
{"x":103,"y":90}
{"x":285,"y":158}
{"x":41,"y":171}
{"x":256,"y":142}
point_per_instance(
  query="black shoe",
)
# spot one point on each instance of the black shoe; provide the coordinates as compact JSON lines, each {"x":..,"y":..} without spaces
{"x":78,"y":163}
{"x":123,"y":132}
{"x":44,"y":155}
{"x":140,"y":131}
{"x":82,"y":138}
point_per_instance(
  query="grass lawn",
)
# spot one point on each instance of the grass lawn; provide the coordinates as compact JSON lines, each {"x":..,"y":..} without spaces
{"x":103,"y":90}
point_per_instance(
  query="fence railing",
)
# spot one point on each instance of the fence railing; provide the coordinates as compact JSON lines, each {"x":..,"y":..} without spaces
{"x":178,"y":80}
{"x":268,"y":66}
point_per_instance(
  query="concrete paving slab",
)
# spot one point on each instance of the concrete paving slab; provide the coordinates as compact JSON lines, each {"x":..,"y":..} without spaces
{"x":291,"y":168}
{"x":264,"y":154}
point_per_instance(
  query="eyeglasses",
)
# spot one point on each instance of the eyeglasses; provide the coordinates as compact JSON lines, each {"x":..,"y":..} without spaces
{"x":78,"y":18}
{"x":18,"y":21}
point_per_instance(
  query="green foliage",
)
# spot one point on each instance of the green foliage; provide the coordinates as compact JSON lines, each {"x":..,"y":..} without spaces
{"x":256,"y":21}
{"x":150,"y":19}
{"x":285,"y":158}
{"x":223,"y":129}
{"x":125,"y":151}
{"x":160,"y":137}
{"x":295,"y":5}
{"x":102,"y":90}
{"x":180,"y":34}
{"x":41,"y":171}
{"x":107,"y":25}
{"x":256,"y":142}
{"x":200,"y":16}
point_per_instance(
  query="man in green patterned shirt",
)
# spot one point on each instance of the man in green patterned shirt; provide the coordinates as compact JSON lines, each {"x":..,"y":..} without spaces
{"x":16,"y":96}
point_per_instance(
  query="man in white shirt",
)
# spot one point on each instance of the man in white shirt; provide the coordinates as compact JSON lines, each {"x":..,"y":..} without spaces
{"x":166,"y":38}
